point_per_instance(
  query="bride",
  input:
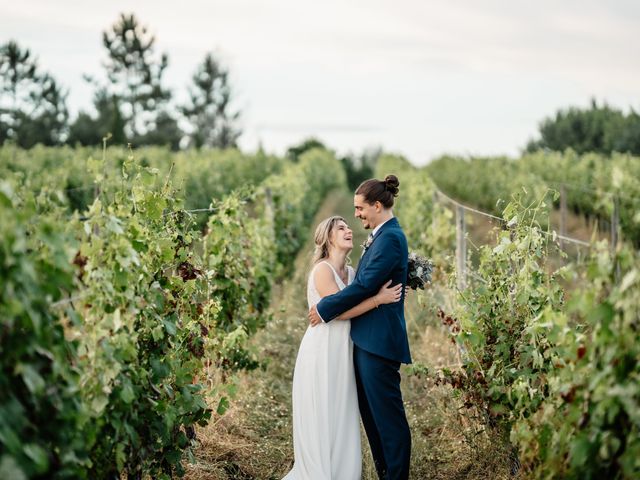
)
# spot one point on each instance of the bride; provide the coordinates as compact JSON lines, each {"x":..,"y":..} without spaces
{"x":326,"y":419}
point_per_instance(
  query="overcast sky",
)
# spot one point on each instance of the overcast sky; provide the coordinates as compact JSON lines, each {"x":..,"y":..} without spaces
{"x":418,"y":77}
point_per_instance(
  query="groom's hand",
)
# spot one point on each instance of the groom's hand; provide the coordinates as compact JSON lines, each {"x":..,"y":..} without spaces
{"x":314,"y":318}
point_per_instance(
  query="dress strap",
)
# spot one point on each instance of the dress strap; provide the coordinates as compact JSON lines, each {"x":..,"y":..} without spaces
{"x":335,"y":274}
{"x":351,"y":274}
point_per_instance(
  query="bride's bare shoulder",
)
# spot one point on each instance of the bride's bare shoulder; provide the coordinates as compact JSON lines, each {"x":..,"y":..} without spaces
{"x":324,"y":279}
{"x":321,"y":271}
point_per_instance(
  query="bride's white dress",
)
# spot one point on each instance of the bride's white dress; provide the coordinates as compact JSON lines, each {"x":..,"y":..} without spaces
{"x":326,"y":419}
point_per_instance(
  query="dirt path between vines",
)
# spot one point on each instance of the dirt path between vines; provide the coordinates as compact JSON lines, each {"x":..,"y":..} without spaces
{"x":252,"y":440}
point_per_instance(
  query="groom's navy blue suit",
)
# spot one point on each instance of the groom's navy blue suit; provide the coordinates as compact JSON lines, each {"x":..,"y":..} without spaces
{"x":380,"y":345}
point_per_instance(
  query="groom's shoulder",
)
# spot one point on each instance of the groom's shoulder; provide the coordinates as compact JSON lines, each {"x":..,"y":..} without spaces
{"x":393,"y":234}
{"x":396,"y":229}
{"x":397,"y":234}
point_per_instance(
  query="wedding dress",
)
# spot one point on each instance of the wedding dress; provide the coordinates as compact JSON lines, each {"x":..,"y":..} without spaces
{"x":326,"y":419}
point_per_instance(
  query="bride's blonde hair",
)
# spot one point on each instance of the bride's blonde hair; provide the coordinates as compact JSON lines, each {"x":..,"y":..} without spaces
{"x":322,"y":238}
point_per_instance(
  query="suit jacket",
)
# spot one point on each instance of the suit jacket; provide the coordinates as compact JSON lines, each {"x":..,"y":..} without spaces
{"x":381,"y":331}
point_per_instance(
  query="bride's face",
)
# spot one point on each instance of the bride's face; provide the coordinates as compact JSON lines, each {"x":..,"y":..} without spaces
{"x":342,"y":236}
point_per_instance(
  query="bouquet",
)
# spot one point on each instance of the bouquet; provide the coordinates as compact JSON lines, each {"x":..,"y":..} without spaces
{"x":420,"y":269}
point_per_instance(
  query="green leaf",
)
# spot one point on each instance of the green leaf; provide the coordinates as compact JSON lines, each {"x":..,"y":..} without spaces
{"x":39,"y":457}
{"x":127,"y":394}
{"x":6,"y":194}
{"x":121,"y":456}
{"x":160,"y":369}
{"x":155,"y":207}
{"x":157,"y":333}
{"x":223,"y":405}
{"x":580,"y":451}
{"x":170,"y":326}
{"x":601,"y":314}
{"x":523,"y":297}
{"x":98,"y":404}
{"x":32,"y":379}
{"x":173,"y":456}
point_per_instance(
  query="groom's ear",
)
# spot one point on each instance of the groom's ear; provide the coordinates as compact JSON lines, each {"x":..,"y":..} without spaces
{"x":378,"y":206}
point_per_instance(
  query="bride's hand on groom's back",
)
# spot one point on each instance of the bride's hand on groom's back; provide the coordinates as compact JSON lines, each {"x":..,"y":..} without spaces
{"x":314,"y":318}
{"x":388,"y":294}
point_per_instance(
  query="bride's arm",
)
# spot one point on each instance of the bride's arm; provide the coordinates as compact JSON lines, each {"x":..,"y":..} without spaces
{"x":326,"y":285}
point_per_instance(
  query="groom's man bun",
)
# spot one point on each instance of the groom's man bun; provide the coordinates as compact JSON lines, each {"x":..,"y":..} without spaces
{"x":392,"y":183}
{"x":383,"y":191}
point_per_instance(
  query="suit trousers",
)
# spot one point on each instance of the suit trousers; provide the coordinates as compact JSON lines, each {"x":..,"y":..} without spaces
{"x":383,"y":415}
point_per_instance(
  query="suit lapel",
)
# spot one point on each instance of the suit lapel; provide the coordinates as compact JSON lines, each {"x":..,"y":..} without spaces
{"x":392,"y":222}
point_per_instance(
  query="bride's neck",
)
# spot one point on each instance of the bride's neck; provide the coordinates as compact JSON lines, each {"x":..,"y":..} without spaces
{"x":338,"y":259}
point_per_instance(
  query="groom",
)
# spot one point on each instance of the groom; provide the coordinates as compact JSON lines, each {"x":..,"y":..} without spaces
{"x":380,"y":335}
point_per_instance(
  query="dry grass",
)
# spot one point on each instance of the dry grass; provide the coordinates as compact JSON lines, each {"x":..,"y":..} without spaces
{"x":253,"y":439}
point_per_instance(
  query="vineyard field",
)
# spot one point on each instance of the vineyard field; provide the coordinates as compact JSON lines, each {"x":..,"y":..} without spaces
{"x":152,"y":305}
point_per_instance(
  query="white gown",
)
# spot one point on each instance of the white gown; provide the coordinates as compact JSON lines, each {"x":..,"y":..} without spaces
{"x":326,"y":419}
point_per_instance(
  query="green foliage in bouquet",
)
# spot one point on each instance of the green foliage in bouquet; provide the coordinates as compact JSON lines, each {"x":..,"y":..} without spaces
{"x":419,"y":271}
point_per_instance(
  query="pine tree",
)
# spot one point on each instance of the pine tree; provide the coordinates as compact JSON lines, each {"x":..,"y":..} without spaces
{"x":32,"y":104}
{"x":135,"y":75}
{"x":208,"y":110}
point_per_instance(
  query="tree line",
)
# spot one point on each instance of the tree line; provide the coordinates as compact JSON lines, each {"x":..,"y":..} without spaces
{"x":131,"y":103}
{"x":599,"y":128}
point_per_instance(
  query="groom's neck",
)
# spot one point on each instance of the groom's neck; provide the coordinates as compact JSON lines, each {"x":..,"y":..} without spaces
{"x":387,"y":215}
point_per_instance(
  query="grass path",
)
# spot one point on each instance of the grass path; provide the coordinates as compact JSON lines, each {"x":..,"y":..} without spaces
{"x":253,"y":439}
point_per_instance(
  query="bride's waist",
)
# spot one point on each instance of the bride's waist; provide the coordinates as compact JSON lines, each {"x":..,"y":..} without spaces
{"x":333,"y":325}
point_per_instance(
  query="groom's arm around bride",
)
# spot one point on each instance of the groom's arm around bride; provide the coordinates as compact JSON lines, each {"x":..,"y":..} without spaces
{"x":368,"y":281}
